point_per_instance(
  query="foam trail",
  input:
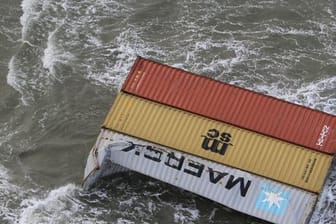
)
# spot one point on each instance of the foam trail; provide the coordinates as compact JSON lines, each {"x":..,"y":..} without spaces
{"x":32,"y":69}
{"x":14,"y":81}
{"x":313,"y":94}
{"x":54,"y":54}
{"x":48,"y":58}
{"x":29,"y":11}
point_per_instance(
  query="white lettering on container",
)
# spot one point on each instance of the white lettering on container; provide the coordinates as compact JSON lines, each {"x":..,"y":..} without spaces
{"x":323,"y":135}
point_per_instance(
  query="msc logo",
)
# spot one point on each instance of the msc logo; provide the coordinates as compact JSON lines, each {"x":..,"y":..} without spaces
{"x":216,"y":142}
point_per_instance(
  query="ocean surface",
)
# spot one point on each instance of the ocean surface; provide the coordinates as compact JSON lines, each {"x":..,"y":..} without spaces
{"x":62,"y":63}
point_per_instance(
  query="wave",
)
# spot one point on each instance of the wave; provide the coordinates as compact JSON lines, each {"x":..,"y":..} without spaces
{"x":58,"y":206}
{"x":53,"y":55}
{"x":68,"y":204}
{"x":98,"y":42}
{"x":31,"y":69}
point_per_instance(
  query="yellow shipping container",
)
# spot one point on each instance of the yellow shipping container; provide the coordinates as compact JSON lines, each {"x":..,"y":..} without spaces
{"x":219,"y":142}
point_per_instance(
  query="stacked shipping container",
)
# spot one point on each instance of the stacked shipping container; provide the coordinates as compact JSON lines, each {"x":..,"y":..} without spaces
{"x":238,"y":129}
{"x":219,"y":142}
{"x":231,"y":104}
{"x":237,"y":189}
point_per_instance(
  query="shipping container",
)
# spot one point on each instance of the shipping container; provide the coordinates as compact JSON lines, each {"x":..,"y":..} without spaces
{"x":231,"y":104}
{"x":219,"y":142}
{"x":236,"y":189}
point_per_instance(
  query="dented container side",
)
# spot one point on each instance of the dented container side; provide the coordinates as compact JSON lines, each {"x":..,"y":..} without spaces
{"x":231,"y":104}
{"x":218,"y":141}
{"x":236,"y":189}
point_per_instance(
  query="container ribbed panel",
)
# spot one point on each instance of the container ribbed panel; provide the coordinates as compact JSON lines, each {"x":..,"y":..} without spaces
{"x":237,"y":106}
{"x":219,"y":142}
{"x":236,"y":189}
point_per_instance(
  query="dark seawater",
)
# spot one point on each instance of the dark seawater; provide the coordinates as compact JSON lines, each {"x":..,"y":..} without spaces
{"x":62,"y":63}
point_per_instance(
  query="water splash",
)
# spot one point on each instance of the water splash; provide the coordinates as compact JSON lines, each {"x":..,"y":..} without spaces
{"x":326,"y":206}
{"x":58,"y":206}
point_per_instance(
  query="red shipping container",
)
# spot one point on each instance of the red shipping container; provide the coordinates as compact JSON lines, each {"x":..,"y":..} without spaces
{"x":231,"y":104}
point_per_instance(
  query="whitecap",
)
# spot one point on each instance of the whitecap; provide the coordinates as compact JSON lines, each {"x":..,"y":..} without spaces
{"x":128,"y":46}
{"x":54,"y":54}
{"x":58,"y":206}
{"x":32,"y":69}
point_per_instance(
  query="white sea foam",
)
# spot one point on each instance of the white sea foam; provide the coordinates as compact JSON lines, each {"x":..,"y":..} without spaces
{"x":58,"y":206}
{"x":317,"y":94}
{"x":14,"y":80}
{"x":293,"y":31}
{"x":31,"y":70}
{"x":8,"y":194}
{"x":3,"y":177}
{"x":129,"y":45}
{"x":29,"y":11}
{"x":28,"y":8}
{"x":124,"y":221}
{"x":48,"y":59}
{"x":185,"y":215}
{"x":27,"y":83}
{"x":325,"y":208}
{"x":54,"y":54}
{"x":7,"y":134}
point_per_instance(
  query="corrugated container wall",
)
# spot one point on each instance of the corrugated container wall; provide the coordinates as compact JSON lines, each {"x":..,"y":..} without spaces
{"x":237,"y":106}
{"x":239,"y":190}
{"x":218,"y":141}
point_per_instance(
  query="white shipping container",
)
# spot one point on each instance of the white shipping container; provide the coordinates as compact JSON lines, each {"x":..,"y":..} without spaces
{"x":250,"y":194}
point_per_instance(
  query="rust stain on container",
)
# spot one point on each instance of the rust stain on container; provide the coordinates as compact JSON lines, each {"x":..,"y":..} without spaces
{"x":219,"y":142}
{"x":231,"y":104}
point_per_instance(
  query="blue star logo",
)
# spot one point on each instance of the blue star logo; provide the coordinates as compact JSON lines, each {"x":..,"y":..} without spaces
{"x":273,"y":199}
